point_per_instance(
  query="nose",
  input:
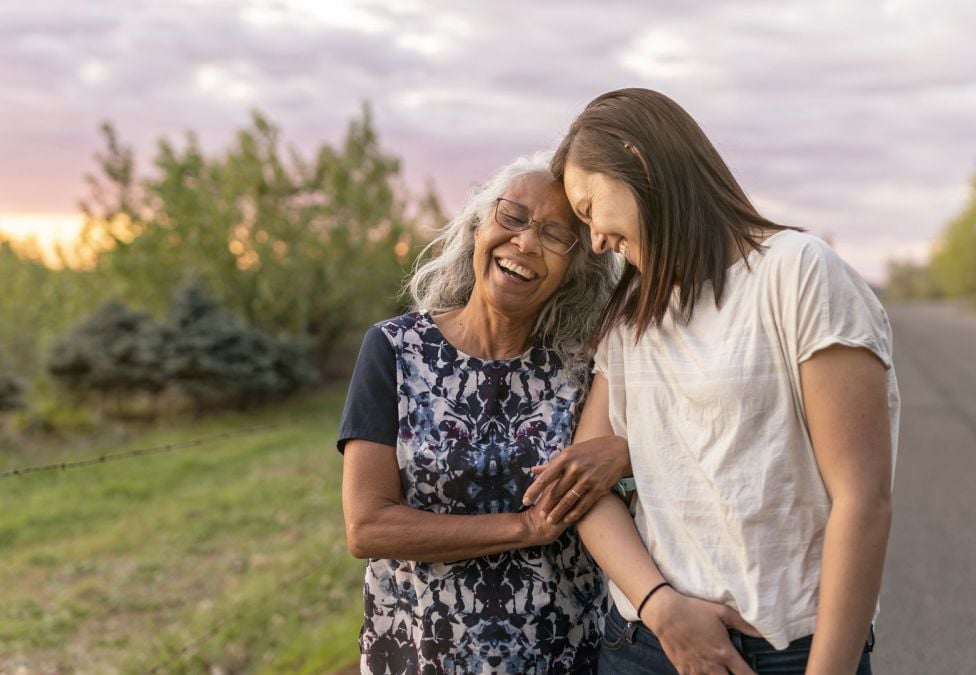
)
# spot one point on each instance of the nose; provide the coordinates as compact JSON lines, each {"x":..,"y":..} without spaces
{"x":528,"y":239}
{"x":599,"y":242}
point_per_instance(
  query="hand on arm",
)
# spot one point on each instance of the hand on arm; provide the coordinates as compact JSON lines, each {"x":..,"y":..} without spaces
{"x":569,"y":485}
{"x":693,"y":632}
{"x":845,"y":395}
{"x":379,"y":525}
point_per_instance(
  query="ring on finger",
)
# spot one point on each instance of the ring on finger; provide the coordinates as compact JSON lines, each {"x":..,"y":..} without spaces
{"x":578,"y":495}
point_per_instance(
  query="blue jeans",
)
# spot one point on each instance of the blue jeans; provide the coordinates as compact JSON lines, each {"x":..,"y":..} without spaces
{"x":631,"y":649}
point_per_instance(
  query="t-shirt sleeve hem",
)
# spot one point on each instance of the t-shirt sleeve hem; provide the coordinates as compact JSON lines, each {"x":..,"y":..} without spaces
{"x":362,"y":435}
{"x":370,"y":410}
{"x":837,"y":340}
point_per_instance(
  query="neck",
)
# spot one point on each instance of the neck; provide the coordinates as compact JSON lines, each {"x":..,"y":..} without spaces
{"x":485,"y":333}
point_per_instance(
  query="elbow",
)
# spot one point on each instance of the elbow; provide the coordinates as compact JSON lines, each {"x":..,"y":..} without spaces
{"x":881,"y":503}
{"x":358,"y":539}
{"x":368,"y":531}
{"x":874,"y":508}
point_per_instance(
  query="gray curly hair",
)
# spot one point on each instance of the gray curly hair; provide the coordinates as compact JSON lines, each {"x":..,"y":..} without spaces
{"x":443,"y":276}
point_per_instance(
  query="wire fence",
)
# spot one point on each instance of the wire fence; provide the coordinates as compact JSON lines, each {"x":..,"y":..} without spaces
{"x":191,"y":647}
{"x":143,"y":452}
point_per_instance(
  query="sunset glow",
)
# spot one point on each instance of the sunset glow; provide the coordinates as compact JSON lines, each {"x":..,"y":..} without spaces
{"x":44,"y":232}
{"x":852,"y":120}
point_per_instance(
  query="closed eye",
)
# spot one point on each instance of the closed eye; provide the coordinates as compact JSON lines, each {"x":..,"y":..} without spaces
{"x":558,"y":234}
{"x":583,"y":213}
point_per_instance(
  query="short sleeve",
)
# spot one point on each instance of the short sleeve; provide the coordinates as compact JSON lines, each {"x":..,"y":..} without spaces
{"x":835,"y":306}
{"x":608,"y":361}
{"x":601,"y":358}
{"x":370,"y":412}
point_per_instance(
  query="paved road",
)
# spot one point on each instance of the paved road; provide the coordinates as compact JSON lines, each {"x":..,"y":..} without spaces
{"x":928,"y":600}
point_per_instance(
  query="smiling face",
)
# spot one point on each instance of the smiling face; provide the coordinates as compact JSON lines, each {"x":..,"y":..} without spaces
{"x":607,"y":206}
{"x":514,"y":273}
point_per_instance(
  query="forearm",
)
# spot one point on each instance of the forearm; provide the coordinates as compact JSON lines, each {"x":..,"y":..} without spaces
{"x":853,"y":560}
{"x":403,"y":533}
{"x":609,"y":534}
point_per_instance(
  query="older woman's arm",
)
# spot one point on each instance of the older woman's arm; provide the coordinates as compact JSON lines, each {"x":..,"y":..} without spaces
{"x":845,"y":395}
{"x":379,"y":525}
{"x":693,"y":632}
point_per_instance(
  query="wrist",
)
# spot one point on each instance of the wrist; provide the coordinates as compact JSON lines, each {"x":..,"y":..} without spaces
{"x":656,"y":609}
{"x":655,"y":589}
{"x":527,"y":535}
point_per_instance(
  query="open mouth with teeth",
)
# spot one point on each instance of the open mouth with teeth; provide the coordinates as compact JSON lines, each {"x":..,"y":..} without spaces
{"x":514,"y":270}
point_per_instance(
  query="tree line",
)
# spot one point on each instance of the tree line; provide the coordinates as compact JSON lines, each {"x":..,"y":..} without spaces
{"x":230,"y":277}
{"x":951,"y":269}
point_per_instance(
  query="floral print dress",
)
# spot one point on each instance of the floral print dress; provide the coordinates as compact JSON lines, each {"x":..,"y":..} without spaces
{"x":466,"y":431}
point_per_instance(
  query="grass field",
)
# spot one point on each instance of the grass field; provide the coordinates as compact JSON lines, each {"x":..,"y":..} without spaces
{"x":223,"y":558}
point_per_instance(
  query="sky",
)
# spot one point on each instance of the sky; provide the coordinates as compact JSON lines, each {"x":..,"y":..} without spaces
{"x":852,"y":119}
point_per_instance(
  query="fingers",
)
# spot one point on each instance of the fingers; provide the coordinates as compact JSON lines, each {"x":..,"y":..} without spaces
{"x":733,"y":619}
{"x":570,"y":498}
{"x":582,"y":505}
{"x":557,"y":490}
{"x":546,"y":474}
{"x":583,"y":470}
{"x":542,"y":531}
{"x":737,"y":665}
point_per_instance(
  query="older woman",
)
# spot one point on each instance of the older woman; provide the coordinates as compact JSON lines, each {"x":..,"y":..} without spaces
{"x":449,"y":408}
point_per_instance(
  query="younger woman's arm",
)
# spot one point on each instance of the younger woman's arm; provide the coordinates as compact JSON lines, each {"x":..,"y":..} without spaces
{"x":845,"y":394}
{"x":693,"y":632}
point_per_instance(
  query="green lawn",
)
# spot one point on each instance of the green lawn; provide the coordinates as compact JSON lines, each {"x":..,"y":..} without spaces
{"x":228,"y":557}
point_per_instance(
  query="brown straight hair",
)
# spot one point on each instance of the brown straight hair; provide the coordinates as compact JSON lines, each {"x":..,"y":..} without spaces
{"x":693,"y":213}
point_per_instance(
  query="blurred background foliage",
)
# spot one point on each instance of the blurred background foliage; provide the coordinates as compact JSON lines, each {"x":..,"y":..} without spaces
{"x":217,"y":279}
{"x":235,"y":277}
{"x":951,"y":269}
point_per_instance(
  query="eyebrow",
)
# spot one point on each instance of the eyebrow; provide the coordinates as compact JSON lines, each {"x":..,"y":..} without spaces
{"x":528,"y":211}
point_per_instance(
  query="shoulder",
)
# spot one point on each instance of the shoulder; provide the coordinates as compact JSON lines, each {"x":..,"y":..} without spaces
{"x":409,"y":321}
{"x":790,"y":247}
{"x":394,"y":328}
{"x":803,"y":260}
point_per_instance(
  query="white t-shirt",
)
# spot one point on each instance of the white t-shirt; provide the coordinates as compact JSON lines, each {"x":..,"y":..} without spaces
{"x":730,"y":502}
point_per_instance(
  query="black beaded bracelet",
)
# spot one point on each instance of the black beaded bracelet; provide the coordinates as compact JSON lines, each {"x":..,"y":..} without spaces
{"x":647,"y":597}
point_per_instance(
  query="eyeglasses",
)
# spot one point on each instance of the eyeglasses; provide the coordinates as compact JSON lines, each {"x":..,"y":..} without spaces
{"x":515,"y":218}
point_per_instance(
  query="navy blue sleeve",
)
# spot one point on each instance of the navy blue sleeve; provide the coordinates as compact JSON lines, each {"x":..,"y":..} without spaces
{"x":371,"y":410}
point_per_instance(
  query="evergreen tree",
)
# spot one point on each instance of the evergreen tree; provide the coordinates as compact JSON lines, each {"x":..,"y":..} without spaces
{"x":11,"y":392}
{"x":215,"y":359}
{"x":114,"y":352}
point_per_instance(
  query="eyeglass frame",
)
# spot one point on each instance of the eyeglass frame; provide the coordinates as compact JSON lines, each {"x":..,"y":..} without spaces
{"x":528,"y":224}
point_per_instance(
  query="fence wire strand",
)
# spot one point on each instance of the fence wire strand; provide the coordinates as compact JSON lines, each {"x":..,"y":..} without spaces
{"x":130,"y":454}
{"x":188,"y":648}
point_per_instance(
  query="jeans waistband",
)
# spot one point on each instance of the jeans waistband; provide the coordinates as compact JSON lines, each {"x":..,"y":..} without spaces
{"x":743,"y":643}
